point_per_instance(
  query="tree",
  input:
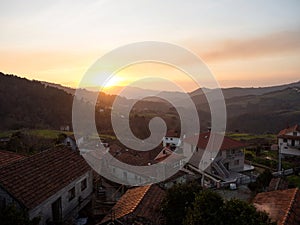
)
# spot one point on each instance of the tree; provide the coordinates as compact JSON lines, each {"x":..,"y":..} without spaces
{"x":10,"y":215}
{"x":206,"y":209}
{"x":242,"y":213}
{"x":261,"y":182}
{"x":210,"y":209}
{"x":178,"y":199}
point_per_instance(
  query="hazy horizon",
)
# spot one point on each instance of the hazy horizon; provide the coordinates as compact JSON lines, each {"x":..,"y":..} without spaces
{"x":244,"y":44}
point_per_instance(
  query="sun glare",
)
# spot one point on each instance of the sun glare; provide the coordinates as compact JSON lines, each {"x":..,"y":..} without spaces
{"x":112,"y":82}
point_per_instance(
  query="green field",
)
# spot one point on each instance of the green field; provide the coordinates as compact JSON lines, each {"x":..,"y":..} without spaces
{"x":247,"y":136}
{"x":48,"y":134}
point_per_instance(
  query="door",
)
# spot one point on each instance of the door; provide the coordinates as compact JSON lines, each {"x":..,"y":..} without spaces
{"x":293,"y":142}
{"x":56,"y":210}
{"x":226,"y":166}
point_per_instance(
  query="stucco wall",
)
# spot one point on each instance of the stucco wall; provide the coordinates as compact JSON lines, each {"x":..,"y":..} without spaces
{"x":44,"y":210}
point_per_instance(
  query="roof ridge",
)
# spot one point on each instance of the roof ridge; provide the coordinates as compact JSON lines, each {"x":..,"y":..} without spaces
{"x":30,"y":157}
{"x":287,"y":213}
{"x":142,"y":197}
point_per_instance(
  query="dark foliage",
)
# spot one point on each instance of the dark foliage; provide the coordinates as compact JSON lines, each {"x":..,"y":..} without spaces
{"x":262,"y":182}
{"x":210,"y":209}
{"x":31,"y":104}
{"x":10,"y":215}
{"x":178,"y":199}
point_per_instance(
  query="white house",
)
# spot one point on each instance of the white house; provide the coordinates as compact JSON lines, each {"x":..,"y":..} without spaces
{"x":172,"y":139}
{"x":289,"y":141}
{"x":227,"y":165}
{"x":52,"y":185}
{"x":172,"y":162}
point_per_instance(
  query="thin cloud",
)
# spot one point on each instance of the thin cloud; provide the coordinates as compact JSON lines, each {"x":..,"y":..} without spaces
{"x":269,"y":45}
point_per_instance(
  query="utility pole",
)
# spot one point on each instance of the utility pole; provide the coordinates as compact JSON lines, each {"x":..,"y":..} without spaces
{"x":279,"y":157}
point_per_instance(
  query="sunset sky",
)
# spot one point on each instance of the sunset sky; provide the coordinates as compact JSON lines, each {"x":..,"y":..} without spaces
{"x":244,"y":43}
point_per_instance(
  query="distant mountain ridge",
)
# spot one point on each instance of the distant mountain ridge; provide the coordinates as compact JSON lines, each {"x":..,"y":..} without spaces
{"x":36,"y":104}
{"x":239,"y":91}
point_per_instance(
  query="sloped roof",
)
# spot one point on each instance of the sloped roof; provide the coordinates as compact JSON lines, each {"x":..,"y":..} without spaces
{"x":283,"y":206}
{"x":173,"y":133}
{"x":7,"y":157}
{"x":141,"y":201}
{"x":203,"y":138}
{"x":132,"y":157}
{"x":289,"y":130}
{"x":168,"y":156}
{"x":34,"y":179}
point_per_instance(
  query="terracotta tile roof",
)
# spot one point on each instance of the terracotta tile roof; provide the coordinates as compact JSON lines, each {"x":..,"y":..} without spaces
{"x":132,"y":157}
{"x":7,"y":157}
{"x":283,"y":206}
{"x":168,"y":156}
{"x":34,"y":179}
{"x":203,"y":138}
{"x":141,"y":201}
{"x":173,"y":133}
{"x":289,"y":137}
{"x":289,"y":129}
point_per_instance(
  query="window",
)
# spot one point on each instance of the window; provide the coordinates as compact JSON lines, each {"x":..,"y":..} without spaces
{"x":295,"y":133}
{"x":171,"y":139}
{"x":71,"y":194}
{"x":125,"y":175}
{"x":236,"y":162}
{"x":2,"y":202}
{"x":285,"y":140}
{"x":83,"y":184}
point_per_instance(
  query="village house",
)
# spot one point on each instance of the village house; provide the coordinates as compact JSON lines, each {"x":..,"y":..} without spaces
{"x":172,"y":140}
{"x":289,"y":141}
{"x":283,"y":206}
{"x":172,"y":163}
{"x":227,"y":166}
{"x":139,"y":205}
{"x":52,"y":185}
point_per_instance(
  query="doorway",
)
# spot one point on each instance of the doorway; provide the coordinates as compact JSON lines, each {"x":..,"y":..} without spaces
{"x":56,"y":211}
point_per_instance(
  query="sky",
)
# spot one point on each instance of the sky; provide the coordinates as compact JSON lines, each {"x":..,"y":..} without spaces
{"x":243,"y":43}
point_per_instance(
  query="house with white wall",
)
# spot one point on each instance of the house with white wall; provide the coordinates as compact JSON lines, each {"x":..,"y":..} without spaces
{"x":228,"y":163}
{"x":171,"y":162}
{"x":289,"y":141}
{"x":172,"y":139}
{"x":53,"y":185}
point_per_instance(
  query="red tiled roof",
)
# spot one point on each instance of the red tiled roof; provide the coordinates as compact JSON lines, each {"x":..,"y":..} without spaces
{"x":7,"y":157}
{"x":290,"y":137}
{"x":203,"y":138}
{"x":168,"y":156}
{"x":141,"y":201}
{"x":132,"y":157}
{"x":34,"y":179}
{"x":283,"y":206}
{"x":173,"y":133}
{"x":289,"y":129}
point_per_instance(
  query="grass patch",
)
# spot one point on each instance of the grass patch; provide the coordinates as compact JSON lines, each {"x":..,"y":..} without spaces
{"x":247,"y":136}
{"x":47,"y":134}
{"x":294,"y":181}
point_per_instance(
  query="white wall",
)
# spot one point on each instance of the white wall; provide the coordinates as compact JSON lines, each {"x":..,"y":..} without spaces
{"x":172,"y":141}
{"x":44,"y":210}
